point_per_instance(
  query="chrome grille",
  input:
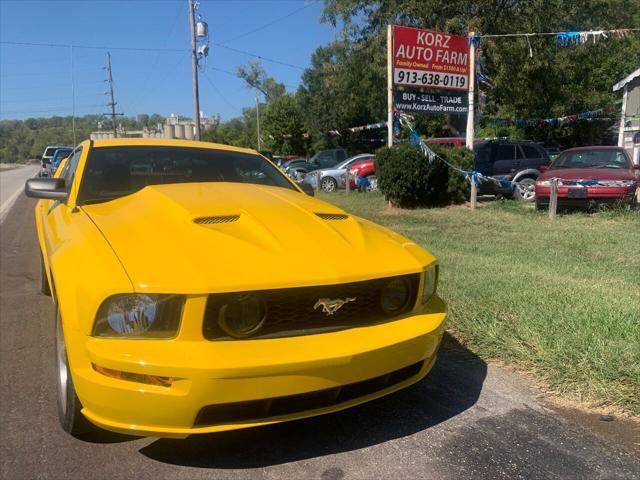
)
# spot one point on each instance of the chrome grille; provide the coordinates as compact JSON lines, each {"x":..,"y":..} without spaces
{"x":216,"y":219}
{"x":290,"y":311}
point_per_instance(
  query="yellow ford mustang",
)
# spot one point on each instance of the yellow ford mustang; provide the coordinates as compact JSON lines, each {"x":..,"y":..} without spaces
{"x":182,"y":307}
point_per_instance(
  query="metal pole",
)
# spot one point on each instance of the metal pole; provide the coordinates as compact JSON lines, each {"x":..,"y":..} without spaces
{"x":472,"y":90}
{"x":553,"y":199}
{"x":390,"y":85}
{"x":258,"y":122}
{"x":73,"y":98}
{"x":113,"y":103}
{"x":194,"y":69}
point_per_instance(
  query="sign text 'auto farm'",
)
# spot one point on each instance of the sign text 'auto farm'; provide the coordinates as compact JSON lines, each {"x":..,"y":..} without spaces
{"x":430,"y":59}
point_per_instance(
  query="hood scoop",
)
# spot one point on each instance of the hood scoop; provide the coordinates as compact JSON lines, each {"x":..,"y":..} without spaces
{"x":332,"y":216}
{"x":216,"y":219}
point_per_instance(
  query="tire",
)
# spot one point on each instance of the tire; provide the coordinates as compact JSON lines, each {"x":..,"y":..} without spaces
{"x":525,"y":190}
{"x":328,"y":184}
{"x":69,"y":406}
{"x":45,"y":288}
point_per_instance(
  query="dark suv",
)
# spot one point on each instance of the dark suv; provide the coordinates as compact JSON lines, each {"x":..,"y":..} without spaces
{"x":515,"y":160}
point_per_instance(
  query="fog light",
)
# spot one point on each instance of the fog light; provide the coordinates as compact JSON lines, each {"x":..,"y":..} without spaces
{"x":134,"y":377}
{"x":243,"y":316}
{"x":395,"y":296}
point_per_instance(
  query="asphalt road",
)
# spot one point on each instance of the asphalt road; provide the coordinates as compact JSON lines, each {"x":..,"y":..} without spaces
{"x":466,"y":420}
{"x":11,"y":183}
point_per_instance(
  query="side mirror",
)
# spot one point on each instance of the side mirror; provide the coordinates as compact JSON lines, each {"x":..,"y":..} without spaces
{"x":636,"y":166}
{"x":307,"y":188}
{"x":544,"y":168}
{"x":47,"y":188}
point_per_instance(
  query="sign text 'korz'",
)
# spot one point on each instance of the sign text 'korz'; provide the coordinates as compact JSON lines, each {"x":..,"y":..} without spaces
{"x":430,"y":59}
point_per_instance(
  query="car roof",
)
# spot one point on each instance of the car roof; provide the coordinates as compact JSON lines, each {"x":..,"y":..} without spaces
{"x":595,"y":147}
{"x":163,"y":142}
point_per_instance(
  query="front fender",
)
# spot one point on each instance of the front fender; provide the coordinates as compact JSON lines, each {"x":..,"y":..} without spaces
{"x":530,"y":172}
{"x":85,"y":270}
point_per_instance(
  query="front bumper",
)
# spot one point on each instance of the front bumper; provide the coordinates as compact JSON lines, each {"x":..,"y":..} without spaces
{"x":595,"y":194}
{"x":210,"y":373}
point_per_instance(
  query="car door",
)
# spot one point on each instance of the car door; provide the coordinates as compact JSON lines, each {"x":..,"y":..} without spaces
{"x":506,"y":160}
{"x":56,"y":215}
{"x":533,"y":157}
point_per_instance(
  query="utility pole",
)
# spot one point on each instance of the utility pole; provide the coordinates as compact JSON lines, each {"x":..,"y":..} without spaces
{"x":112,"y":103}
{"x":258,"y":122}
{"x":73,"y":97}
{"x":194,"y":69}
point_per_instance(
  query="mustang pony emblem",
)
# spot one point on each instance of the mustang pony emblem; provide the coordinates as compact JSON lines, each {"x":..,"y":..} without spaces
{"x":330,"y":306}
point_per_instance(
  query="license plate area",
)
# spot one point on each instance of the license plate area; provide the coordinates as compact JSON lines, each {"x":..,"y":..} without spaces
{"x":577,"y":192}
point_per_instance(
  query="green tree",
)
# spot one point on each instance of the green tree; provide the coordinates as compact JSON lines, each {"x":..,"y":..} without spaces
{"x":284,"y":126}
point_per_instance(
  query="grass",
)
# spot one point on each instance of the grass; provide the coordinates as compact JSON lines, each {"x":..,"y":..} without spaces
{"x":560,"y":299}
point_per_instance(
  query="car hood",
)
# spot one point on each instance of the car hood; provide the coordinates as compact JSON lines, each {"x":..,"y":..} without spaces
{"x":271,"y":238}
{"x":588,"y":174}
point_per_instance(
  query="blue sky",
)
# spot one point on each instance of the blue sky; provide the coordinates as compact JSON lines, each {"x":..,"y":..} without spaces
{"x":36,"y":81}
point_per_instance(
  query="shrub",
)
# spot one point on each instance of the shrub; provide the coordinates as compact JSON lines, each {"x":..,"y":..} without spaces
{"x":409,"y":180}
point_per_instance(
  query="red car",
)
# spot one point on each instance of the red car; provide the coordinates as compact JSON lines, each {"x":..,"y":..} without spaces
{"x":366,"y":169}
{"x":589,"y":175}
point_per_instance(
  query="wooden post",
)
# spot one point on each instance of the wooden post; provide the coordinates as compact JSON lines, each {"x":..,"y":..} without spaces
{"x":472,"y":89}
{"x":347,"y":182}
{"x":474,"y":193}
{"x":390,"y":85}
{"x":623,"y":114}
{"x":318,"y":181}
{"x":553,"y":199}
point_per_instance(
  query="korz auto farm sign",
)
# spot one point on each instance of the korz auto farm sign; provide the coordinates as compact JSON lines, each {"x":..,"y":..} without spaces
{"x":424,"y":58}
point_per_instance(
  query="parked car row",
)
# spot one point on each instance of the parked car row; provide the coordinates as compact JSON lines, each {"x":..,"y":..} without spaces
{"x":51,"y":158}
{"x":526,"y":164}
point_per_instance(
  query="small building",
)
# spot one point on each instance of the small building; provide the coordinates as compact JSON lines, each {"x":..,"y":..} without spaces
{"x":629,"y":132}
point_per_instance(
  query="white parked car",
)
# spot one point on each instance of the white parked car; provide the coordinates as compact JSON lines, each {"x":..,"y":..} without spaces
{"x":333,"y":178}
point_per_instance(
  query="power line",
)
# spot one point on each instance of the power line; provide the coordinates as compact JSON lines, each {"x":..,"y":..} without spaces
{"x":268,"y":24}
{"x":56,"y":109}
{"x":266,"y":59}
{"x":206,"y":76}
{"x":94,"y":47}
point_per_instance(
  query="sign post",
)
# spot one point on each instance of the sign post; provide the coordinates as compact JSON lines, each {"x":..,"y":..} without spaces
{"x":472,"y":90}
{"x":389,"y":85}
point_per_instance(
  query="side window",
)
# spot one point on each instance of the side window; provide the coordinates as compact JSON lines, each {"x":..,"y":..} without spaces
{"x":530,"y":152}
{"x":518,"y":152}
{"x":70,"y":168}
{"x":505,"y":152}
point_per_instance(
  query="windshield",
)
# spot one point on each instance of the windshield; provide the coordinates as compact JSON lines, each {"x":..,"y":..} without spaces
{"x":50,"y":151}
{"x":113,"y":172}
{"x":62,"y":153}
{"x":591,"y":159}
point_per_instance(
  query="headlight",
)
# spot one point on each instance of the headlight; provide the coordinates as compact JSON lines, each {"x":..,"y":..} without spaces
{"x":543,"y":183}
{"x":395,"y":296}
{"x":139,"y":316}
{"x":617,"y":183}
{"x":243,"y":315}
{"x":430,"y":282}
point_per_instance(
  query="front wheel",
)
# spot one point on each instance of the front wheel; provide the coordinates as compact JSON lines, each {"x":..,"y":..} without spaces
{"x":525,"y":190}
{"x":328,"y":184}
{"x":44,"y":281}
{"x":69,"y":406}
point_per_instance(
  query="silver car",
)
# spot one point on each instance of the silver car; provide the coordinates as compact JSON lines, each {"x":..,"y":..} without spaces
{"x":333,"y":178}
